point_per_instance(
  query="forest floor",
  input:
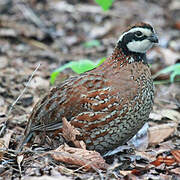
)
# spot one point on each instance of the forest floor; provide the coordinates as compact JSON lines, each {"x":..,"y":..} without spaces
{"x":44,"y":35}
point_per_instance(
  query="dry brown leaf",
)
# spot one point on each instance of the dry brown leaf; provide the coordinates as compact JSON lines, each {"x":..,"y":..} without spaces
{"x":176,"y":154}
{"x":69,"y":133}
{"x":160,"y":132}
{"x":76,"y":156}
{"x":139,"y":172}
{"x":177,"y":25}
{"x":168,"y":161}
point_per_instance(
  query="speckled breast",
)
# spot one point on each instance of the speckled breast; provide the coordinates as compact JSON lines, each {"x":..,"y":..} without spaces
{"x":130,"y":112}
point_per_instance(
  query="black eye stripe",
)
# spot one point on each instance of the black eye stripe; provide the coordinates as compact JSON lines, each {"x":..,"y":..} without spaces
{"x":138,"y":33}
{"x":139,"y":38}
{"x":131,"y":36}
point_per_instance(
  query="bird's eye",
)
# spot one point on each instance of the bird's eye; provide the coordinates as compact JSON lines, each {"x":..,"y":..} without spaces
{"x":138,"y":33}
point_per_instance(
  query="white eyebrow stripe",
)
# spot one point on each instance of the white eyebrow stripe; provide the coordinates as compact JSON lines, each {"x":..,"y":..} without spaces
{"x":145,"y":31}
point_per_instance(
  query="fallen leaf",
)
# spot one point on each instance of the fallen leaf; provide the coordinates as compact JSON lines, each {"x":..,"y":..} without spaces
{"x":125,"y":173}
{"x":81,"y":157}
{"x":139,"y":172}
{"x":168,"y":161}
{"x":177,"y":25}
{"x":176,"y":154}
{"x":171,"y":114}
{"x":155,"y":116}
{"x":2,"y":146}
{"x":168,"y":113}
{"x":69,"y":133}
{"x":149,"y":155}
{"x":160,"y":132}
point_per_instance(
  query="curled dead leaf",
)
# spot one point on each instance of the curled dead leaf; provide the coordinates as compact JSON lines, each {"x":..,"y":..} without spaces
{"x":88,"y":160}
{"x":69,"y":133}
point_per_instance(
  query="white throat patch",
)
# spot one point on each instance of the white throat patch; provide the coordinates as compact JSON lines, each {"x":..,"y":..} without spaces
{"x":140,"y":46}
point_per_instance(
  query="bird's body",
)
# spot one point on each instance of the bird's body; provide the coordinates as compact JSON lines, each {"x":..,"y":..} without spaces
{"x":107,"y":105}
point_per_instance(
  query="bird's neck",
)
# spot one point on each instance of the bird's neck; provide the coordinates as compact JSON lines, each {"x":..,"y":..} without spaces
{"x":119,"y":59}
{"x":125,"y":56}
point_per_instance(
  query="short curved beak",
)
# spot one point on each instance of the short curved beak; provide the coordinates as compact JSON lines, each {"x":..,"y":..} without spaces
{"x":153,"y":38}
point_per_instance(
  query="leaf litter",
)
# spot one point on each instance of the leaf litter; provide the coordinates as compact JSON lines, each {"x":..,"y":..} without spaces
{"x":36,"y":32}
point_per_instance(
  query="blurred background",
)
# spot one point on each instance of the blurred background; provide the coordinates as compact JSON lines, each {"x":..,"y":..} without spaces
{"x":55,"y":32}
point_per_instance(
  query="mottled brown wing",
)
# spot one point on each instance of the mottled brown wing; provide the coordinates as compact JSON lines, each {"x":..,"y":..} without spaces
{"x":66,"y":100}
{"x":79,"y":97}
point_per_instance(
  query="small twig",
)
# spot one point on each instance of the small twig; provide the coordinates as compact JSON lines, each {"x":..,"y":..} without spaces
{"x":3,"y":128}
{"x":13,"y":104}
{"x":27,"y":84}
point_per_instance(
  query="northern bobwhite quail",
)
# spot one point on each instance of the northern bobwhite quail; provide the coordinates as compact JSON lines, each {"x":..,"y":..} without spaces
{"x":107,"y":105}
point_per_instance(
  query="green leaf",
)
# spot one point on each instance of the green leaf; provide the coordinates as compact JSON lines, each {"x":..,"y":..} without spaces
{"x":175,"y":69}
{"x":105,"y":4}
{"x":78,"y":67}
{"x":82,"y":66}
{"x":100,"y":61}
{"x":55,"y":73}
{"x":92,"y":43}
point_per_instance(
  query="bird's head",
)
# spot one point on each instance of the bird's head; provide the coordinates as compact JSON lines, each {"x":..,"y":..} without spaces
{"x":138,"y":38}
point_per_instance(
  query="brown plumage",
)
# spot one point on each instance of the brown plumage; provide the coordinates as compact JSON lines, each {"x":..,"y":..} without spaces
{"x":107,"y":105}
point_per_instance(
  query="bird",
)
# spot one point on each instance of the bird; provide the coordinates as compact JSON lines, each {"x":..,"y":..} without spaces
{"x":108,"y":105}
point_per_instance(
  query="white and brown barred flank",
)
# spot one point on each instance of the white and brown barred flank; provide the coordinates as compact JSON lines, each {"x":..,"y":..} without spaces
{"x":107,"y":105}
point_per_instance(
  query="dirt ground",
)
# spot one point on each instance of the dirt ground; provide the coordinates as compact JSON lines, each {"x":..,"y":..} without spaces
{"x":38,"y":36}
